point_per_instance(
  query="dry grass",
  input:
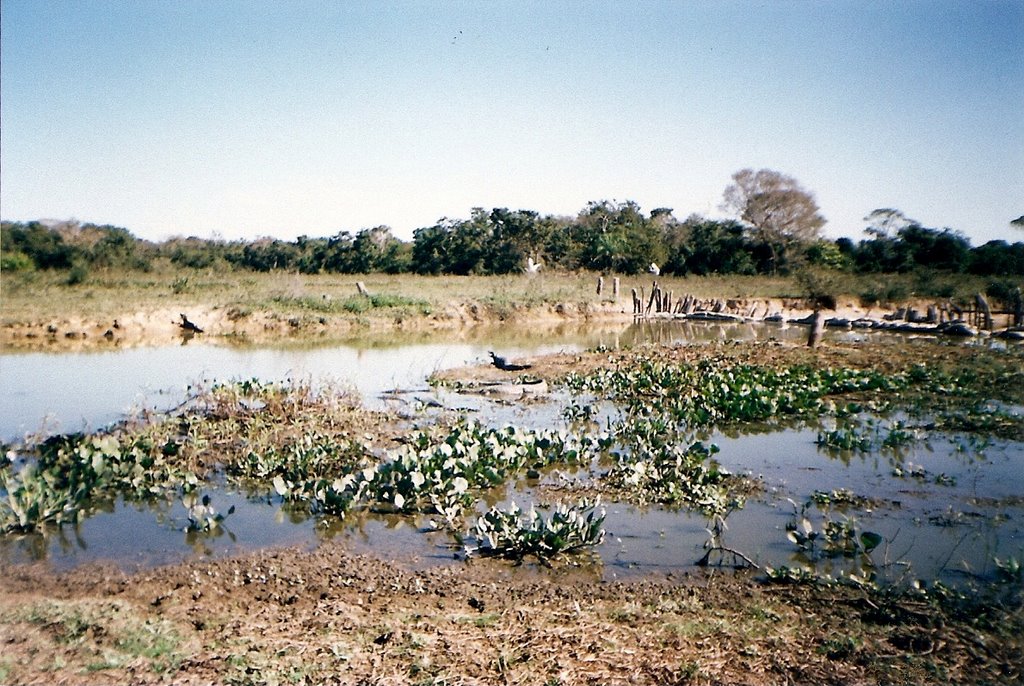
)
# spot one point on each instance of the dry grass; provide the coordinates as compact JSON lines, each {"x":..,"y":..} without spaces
{"x":329,"y":617}
{"x":45,"y":295}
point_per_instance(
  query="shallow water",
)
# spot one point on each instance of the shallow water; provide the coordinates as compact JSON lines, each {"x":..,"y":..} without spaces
{"x":950,"y":531}
{"x":49,"y":393}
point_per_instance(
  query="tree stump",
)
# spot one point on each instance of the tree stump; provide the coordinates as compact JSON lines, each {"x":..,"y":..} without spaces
{"x":984,"y":312}
{"x":817,"y":329}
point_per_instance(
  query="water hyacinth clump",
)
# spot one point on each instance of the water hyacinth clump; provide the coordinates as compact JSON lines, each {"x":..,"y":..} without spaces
{"x":436,"y":475}
{"x":30,"y":498}
{"x":427,"y":476}
{"x":306,"y":470}
{"x":69,"y":472}
{"x":716,"y":391}
{"x":838,"y":536}
{"x":514,"y":534}
{"x":868,"y":435}
{"x":202,"y":515}
{"x":676,"y":475}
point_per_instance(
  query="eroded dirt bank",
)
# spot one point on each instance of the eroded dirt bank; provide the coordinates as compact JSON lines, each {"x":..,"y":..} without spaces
{"x":231,"y":325}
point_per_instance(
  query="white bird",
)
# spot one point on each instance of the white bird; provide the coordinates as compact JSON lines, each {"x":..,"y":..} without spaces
{"x":654,"y":269}
{"x":532,"y":267}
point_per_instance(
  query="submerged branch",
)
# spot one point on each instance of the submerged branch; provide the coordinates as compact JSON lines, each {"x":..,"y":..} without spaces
{"x":737,"y":555}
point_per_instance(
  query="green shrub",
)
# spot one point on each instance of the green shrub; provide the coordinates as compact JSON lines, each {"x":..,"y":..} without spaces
{"x":77,"y":274}
{"x":16,"y":261}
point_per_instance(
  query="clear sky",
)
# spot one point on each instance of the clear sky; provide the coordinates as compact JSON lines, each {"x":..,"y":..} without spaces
{"x":253,"y":118}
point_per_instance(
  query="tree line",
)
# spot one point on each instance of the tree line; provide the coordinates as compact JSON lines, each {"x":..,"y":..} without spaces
{"x":776,"y":230}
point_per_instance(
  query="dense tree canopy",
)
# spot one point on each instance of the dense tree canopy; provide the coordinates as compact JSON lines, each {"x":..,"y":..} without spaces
{"x":777,"y":228}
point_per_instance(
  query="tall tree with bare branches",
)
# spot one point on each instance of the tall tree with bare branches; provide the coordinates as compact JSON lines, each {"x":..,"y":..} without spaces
{"x":777,"y":208}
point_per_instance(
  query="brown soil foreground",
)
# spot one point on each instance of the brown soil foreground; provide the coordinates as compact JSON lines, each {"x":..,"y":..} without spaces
{"x":329,"y":617}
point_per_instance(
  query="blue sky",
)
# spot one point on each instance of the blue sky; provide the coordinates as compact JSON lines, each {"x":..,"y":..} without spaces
{"x":244,"y":119}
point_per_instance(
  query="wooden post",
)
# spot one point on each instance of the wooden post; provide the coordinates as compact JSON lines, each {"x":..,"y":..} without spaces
{"x":817,"y":329}
{"x":655,"y":292}
{"x":984,"y":313}
{"x":1018,"y":308}
{"x":361,"y":287}
{"x":615,"y":288}
{"x":600,"y":285}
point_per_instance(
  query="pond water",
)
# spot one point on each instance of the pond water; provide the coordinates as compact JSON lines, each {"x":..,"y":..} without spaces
{"x":47,"y":393}
{"x":950,"y":529}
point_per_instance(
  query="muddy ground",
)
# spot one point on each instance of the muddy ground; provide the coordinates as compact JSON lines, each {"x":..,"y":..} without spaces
{"x":330,"y":616}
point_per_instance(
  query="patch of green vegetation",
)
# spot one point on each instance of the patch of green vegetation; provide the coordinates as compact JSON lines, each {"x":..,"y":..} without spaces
{"x":840,"y":498}
{"x":715,"y":391}
{"x":655,"y":468}
{"x":435,"y":472}
{"x":68,"y":475}
{"x":70,"y":472}
{"x":514,"y":534}
{"x":356,"y":304}
{"x":868,"y":435}
{"x":126,"y":638}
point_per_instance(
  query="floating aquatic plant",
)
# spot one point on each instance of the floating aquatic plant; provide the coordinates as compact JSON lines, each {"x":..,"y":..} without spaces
{"x":72,"y":471}
{"x":715,"y":390}
{"x":869,"y":435}
{"x":836,"y":537}
{"x":202,"y":516}
{"x":515,"y":534}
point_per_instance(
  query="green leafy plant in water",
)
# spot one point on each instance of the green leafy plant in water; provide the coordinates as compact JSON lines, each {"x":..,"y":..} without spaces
{"x":845,"y":438}
{"x":71,"y":471}
{"x":791,"y":575}
{"x":431,"y":476}
{"x":29,"y":498}
{"x":719,"y":390}
{"x":434,"y":474}
{"x":514,"y":534}
{"x":867,"y":436}
{"x":802,"y":574}
{"x":835,"y":538}
{"x":577,"y":412}
{"x":674,"y":474}
{"x":840,"y":497}
{"x":202,"y":516}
